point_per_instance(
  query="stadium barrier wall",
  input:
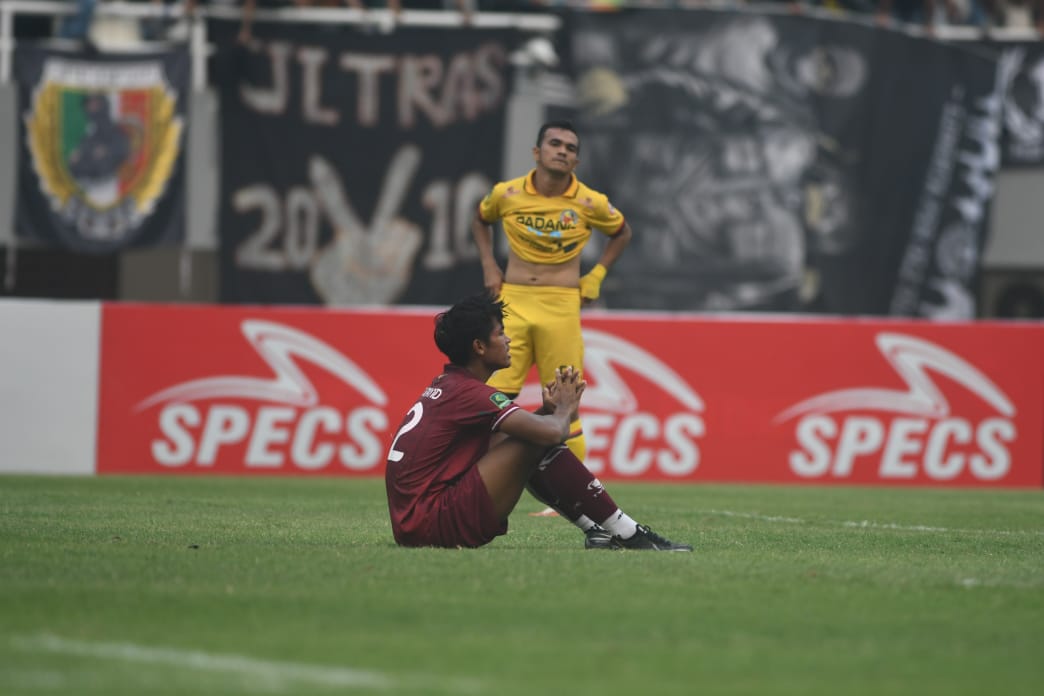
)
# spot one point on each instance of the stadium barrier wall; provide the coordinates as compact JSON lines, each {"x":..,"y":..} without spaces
{"x":48,"y":386}
{"x":238,"y":390}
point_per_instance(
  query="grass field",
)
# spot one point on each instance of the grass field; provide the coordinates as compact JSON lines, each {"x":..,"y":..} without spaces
{"x":230,"y":586}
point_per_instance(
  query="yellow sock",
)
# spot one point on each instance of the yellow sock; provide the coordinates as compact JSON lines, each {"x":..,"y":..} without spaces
{"x":577,"y":444}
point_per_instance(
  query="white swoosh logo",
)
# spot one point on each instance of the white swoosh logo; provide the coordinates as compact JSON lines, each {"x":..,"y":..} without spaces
{"x":277,"y":345}
{"x":606,"y":390}
{"x":911,"y":358}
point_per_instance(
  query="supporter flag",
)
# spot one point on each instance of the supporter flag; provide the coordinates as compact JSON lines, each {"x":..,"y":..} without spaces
{"x":776,"y":162}
{"x":353,"y":160}
{"x":102,"y":141}
{"x":1023,"y":136}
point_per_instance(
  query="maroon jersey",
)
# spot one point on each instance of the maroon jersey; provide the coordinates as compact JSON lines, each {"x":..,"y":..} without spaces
{"x":441,"y":438}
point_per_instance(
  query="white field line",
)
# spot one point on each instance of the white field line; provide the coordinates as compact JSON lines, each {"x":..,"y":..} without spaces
{"x":867,"y":524}
{"x":276,"y":674}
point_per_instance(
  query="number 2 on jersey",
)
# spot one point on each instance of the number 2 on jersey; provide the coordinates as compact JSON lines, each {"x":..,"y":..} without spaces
{"x":415,"y":414}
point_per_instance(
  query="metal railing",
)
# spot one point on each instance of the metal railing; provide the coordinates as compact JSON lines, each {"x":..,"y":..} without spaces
{"x":199,"y":46}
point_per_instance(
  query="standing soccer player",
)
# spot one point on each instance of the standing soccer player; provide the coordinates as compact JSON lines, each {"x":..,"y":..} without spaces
{"x":465,"y":451}
{"x":548,"y":217}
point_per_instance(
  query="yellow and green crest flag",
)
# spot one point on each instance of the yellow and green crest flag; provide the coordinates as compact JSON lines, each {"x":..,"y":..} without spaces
{"x":102,"y":141}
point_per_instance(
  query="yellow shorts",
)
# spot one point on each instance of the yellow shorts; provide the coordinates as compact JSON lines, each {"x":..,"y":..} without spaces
{"x":543,"y":323}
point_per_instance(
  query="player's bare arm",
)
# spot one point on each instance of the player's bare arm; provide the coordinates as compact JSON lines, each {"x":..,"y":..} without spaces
{"x":492,"y":276}
{"x":615,"y":246}
{"x":590,"y":284}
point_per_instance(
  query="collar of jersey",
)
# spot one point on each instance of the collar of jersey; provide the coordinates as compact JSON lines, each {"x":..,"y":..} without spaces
{"x":458,"y":369}
{"x":570,"y":192}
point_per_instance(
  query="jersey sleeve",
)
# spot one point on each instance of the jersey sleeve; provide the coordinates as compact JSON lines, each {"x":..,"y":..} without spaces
{"x":481,"y":404}
{"x":604,"y":217}
{"x":489,"y":207}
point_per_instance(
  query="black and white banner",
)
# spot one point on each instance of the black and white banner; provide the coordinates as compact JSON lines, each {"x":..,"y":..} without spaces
{"x":353,"y":161}
{"x":1023,"y":135}
{"x":778,"y":162}
{"x":102,"y":142}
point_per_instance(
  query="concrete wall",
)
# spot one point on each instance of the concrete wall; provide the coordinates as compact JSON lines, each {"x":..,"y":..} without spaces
{"x":48,"y":386}
{"x":1017,"y":240}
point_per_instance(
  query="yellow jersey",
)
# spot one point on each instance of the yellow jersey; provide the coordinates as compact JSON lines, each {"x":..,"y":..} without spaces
{"x":549,"y":229}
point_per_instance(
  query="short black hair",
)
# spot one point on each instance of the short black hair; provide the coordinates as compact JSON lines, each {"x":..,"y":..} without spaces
{"x":561,"y":124}
{"x":458,"y":327}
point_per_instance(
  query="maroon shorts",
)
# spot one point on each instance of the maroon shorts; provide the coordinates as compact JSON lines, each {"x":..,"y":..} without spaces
{"x":461,"y":515}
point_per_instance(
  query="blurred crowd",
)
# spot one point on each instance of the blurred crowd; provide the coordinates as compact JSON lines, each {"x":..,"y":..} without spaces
{"x":83,"y":24}
{"x":977,"y":13}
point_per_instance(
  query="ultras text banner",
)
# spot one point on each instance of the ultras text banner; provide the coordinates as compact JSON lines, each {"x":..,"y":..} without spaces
{"x":353,"y":161}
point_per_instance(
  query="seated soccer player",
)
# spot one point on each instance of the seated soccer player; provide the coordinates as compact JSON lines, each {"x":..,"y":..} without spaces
{"x":465,"y":451}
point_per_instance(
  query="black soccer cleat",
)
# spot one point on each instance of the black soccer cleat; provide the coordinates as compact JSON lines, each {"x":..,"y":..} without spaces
{"x":598,"y":538}
{"x":646,"y":539}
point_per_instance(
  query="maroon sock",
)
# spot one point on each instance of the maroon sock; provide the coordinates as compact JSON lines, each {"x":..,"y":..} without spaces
{"x":564,"y":483}
{"x":538,"y":491}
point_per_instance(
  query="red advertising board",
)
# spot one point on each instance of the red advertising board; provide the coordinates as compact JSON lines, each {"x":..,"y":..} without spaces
{"x":817,"y":401}
{"x":231,"y":390}
{"x":240,"y":390}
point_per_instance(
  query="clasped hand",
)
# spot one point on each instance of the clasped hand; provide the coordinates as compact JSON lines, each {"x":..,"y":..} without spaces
{"x":564,"y":391}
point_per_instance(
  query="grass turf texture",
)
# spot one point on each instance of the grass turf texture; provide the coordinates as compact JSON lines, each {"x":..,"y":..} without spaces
{"x":221,"y":586}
